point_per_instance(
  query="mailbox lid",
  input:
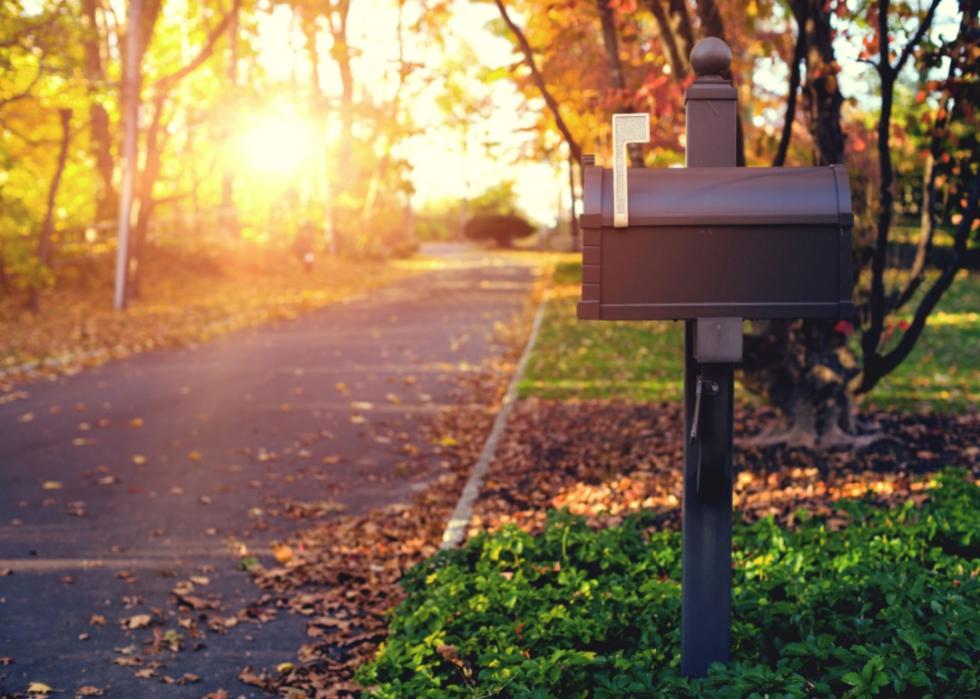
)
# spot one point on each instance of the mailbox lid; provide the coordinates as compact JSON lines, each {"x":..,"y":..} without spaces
{"x":695,"y":196}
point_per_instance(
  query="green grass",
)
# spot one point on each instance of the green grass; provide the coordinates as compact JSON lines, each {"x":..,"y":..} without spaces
{"x":574,"y":359}
{"x":889,"y":605}
{"x":643,"y":361}
{"x":943,"y":371}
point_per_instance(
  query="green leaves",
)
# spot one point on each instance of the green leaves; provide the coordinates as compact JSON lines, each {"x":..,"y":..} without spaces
{"x":886,"y":606}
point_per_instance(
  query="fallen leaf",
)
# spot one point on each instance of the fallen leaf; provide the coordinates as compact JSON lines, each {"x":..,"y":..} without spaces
{"x":282,"y":553}
{"x":139,"y":459}
{"x":38,"y":688}
{"x":137,"y":621}
{"x":89,"y":691}
{"x":136,"y":422}
{"x":52,"y":485}
{"x":26,"y":417}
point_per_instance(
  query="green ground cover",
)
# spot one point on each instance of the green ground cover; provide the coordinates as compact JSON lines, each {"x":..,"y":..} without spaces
{"x":642,"y":361}
{"x":888,"y":605}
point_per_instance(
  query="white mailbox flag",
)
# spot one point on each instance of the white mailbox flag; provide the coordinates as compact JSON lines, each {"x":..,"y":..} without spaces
{"x":626,"y":129}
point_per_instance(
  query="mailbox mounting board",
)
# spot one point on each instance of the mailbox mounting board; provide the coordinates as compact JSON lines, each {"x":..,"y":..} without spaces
{"x":707,"y":242}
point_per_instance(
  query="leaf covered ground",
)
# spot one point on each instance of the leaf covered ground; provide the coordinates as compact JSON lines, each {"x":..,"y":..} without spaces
{"x":187,"y":298}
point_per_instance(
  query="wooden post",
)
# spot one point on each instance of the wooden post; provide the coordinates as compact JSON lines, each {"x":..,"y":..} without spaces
{"x":706,"y":581}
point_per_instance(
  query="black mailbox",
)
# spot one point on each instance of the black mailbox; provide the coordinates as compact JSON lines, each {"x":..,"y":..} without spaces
{"x":710,"y":242}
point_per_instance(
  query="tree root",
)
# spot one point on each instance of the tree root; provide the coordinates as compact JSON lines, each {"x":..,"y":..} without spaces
{"x":803,"y":437}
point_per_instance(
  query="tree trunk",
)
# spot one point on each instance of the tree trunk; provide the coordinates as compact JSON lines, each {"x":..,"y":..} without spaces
{"x":573,"y":210}
{"x":799,"y":52}
{"x":610,"y":41}
{"x":822,"y":98}
{"x":106,"y":197}
{"x":144,"y":195}
{"x":574,"y":149}
{"x":804,"y":368}
{"x":229,"y":215}
{"x":340,"y":52}
{"x":47,"y":228}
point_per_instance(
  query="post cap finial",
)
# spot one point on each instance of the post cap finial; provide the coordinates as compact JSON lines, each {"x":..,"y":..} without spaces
{"x":711,"y":56}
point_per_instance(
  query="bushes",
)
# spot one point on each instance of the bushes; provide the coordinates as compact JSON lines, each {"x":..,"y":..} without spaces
{"x":888,"y":605}
{"x":503,"y":229}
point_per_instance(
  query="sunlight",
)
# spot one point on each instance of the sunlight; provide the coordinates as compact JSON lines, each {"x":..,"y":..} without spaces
{"x":276,"y":144}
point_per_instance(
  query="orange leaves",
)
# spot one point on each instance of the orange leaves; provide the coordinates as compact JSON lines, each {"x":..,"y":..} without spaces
{"x":182,"y":305}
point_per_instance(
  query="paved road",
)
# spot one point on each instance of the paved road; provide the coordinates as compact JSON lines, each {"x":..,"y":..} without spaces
{"x":137,"y":475}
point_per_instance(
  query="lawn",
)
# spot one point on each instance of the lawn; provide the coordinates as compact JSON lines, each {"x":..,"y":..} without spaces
{"x":643,"y":361}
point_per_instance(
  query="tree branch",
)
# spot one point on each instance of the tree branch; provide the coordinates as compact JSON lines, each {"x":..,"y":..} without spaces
{"x":799,"y":52}
{"x":168,"y":82}
{"x":887,"y":363}
{"x":876,"y":302}
{"x":677,"y":61}
{"x":538,"y":79}
{"x":917,"y":37}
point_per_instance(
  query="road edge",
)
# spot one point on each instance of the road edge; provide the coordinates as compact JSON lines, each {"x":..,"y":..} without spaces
{"x":458,"y":521}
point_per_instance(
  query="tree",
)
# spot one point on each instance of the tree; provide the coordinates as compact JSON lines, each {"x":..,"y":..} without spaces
{"x":811,"y":371}
{"x":808,"y":370}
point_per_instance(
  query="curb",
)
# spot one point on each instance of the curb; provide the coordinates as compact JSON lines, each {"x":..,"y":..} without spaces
{"x":459,"y":520}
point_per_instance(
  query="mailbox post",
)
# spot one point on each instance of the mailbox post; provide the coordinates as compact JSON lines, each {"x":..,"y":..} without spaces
{"x":711,"y":244}
{"x":706,"y":512}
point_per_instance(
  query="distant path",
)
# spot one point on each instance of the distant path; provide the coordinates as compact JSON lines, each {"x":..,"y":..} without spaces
{"x":169,"y":458}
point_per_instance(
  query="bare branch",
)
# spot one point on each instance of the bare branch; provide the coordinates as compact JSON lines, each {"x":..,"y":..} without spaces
{"x":917,"y":37}
{"x":168,"y":82}
{"x":538,"y":78}
{"x":799,"y":52}
{"x":26,"y":92}
{"x":884,"y":365}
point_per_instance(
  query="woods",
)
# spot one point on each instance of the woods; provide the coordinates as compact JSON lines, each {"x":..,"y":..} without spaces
{"x":159,"y":115}
{"x":914,"y":106}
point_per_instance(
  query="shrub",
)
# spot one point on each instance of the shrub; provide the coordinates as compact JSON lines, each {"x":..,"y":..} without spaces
{"x":500,"y":228}
{"x":888,"y":605}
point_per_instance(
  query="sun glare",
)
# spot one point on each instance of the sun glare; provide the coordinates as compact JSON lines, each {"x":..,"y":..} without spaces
{"x":277,"y":144}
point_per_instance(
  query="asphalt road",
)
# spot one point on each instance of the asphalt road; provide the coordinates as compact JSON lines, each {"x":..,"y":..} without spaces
{"x":133,"y":477}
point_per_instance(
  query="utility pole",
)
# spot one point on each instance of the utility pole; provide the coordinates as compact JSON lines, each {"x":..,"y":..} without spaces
{"x":130,"y":110}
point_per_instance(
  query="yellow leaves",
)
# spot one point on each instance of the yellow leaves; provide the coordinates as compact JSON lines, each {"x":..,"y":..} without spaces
{"x":342,"y":388}
{"x":136,"y":423}
{"x":139,"y":459}
{"x":362,"y":405}
{"x":393,"y":399}
{"x":283,"y":668}
{"x":448,"y":441}
{"x":194,"y":456}
{"x":282,"y":553}
{"x":39,"y":688}
{"x":52,"y":485}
